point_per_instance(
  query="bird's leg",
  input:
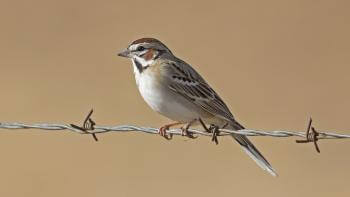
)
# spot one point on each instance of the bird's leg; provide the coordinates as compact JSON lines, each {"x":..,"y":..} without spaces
{"x":162,"y":130}
{"x":186,"y":127}
{"x":204,"y":126}
{"x":212,"y":129}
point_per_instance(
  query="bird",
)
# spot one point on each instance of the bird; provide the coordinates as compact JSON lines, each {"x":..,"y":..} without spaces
{"x":173,"y":88}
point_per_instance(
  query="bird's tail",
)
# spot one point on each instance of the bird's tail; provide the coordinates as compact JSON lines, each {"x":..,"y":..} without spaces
{"x":251,"y":150}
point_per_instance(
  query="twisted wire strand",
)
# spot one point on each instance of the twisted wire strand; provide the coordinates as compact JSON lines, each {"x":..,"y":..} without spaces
{"x":150,"y":130}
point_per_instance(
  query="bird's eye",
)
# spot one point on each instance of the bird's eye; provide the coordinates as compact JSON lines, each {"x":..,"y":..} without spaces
{"x":140,"y":48}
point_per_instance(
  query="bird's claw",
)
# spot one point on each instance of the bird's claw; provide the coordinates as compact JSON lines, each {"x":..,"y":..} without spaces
{"x":185,"y":132}
{"x":162,"y":131}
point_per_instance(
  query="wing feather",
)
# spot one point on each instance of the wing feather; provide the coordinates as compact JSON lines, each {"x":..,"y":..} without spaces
{"x":188,"y":83}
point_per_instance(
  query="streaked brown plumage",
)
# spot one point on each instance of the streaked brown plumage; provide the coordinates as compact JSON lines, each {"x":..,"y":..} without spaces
{"x":173,"y":88}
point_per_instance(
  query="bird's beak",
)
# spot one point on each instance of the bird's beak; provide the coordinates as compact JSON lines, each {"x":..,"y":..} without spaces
{"x":124,"y":53}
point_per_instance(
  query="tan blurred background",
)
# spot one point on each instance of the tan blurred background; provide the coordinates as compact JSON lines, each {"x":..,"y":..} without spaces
{"x":275,"y":63}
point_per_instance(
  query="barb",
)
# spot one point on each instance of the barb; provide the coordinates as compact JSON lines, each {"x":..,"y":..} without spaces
{"x":90,"y":127}
{"x":129,"y":128}
{"x":311,"y":137}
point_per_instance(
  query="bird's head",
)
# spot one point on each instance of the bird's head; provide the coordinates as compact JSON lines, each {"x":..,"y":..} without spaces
{"x":143,"y":52}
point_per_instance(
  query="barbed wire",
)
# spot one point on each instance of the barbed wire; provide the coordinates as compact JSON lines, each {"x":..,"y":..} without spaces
{"x":90,"y":127}
{"x":150,"y":130}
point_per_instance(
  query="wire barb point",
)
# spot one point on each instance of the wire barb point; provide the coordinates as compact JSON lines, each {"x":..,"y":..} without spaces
{"x":311,"y":136}
{"x":88,"y":125}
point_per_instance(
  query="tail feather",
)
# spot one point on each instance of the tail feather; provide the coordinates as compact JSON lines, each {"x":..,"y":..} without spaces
{"x":251,"y":150}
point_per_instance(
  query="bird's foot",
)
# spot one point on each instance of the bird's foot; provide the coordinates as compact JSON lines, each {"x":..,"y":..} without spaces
{"x":185,"y":132}
{"x":163,"y":130}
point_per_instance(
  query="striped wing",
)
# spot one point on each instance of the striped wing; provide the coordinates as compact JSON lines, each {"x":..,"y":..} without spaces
{"x":188,"y":83}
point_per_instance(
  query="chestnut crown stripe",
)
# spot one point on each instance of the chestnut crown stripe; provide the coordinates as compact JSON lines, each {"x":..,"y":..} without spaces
{"x":147,"y":40}
{"x":151,"y":41}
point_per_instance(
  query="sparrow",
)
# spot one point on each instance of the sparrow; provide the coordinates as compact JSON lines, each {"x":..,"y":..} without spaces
{"x":177,"y":91}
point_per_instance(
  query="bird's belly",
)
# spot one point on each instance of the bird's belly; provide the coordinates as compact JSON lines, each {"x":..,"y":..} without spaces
{"x":163,"y":100}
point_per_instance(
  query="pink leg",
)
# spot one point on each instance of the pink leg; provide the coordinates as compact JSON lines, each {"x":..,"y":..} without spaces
{"x":162,"y":130}
{"x":186,"y":127}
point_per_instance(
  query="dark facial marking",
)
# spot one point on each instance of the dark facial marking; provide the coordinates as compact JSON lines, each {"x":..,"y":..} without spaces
{"x":139,"y":66}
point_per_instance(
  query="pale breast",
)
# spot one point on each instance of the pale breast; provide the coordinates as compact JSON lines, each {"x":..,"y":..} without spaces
{"x":160,"y":98}
{"x":150,"y":90}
